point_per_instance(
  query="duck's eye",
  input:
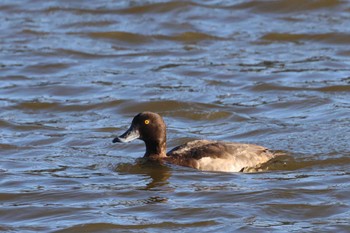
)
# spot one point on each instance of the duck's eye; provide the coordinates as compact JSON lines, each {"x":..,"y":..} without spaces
{"x":147,"y":122}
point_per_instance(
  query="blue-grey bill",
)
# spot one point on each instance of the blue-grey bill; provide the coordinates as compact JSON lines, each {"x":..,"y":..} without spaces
{"x":130,"y":135}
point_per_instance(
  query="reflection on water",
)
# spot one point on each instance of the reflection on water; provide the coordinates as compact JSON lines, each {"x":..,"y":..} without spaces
{"x":158,"y":174}
{"x":274,"y":73}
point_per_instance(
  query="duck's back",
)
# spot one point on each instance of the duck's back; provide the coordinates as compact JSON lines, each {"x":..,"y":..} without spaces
{"x":219,"y":156}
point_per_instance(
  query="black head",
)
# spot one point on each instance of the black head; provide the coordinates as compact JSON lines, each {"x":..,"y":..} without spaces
{"x":147,"y":126}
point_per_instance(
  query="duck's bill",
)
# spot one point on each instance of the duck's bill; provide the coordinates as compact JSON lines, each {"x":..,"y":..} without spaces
{"x":130,"y":135}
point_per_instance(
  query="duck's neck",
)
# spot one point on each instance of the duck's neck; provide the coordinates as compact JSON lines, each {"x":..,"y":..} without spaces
{"x":155,"y":150}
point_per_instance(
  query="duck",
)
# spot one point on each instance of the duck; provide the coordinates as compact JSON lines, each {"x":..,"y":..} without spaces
{"x":204,"y":155}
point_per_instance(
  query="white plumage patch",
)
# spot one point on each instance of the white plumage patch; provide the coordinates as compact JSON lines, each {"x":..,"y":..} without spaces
{"x":217,"y":164}
{"x":246,"y":161}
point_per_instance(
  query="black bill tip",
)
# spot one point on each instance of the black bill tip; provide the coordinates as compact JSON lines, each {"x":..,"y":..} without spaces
{"x":117,"y":139}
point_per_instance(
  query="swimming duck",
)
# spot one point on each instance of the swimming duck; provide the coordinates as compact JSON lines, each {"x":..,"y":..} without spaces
{"x":205,"y":155}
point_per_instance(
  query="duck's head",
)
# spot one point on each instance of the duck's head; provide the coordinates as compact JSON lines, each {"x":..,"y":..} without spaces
{"x":150,"y":128}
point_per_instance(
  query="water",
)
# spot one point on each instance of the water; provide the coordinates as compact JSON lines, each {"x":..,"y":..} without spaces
{"x":74,"y":73}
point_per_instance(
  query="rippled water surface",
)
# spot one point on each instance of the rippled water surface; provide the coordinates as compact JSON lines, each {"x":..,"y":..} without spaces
{"x":74,"y":73}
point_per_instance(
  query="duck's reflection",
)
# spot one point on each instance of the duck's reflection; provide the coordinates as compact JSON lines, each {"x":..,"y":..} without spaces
{"x":159,"y":173}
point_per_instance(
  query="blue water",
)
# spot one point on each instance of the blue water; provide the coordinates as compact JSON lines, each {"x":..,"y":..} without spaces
{"x":73,"y":74}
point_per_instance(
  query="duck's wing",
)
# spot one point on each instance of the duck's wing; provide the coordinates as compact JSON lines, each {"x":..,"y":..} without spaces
{"x":219,"y":156}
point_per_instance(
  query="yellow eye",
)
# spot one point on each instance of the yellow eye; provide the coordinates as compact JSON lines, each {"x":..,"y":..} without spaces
{"x":146,"y":122}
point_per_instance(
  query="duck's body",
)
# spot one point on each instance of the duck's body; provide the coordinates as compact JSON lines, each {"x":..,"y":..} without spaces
{"x":199,"y":154}
{"x":219,"y":156}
